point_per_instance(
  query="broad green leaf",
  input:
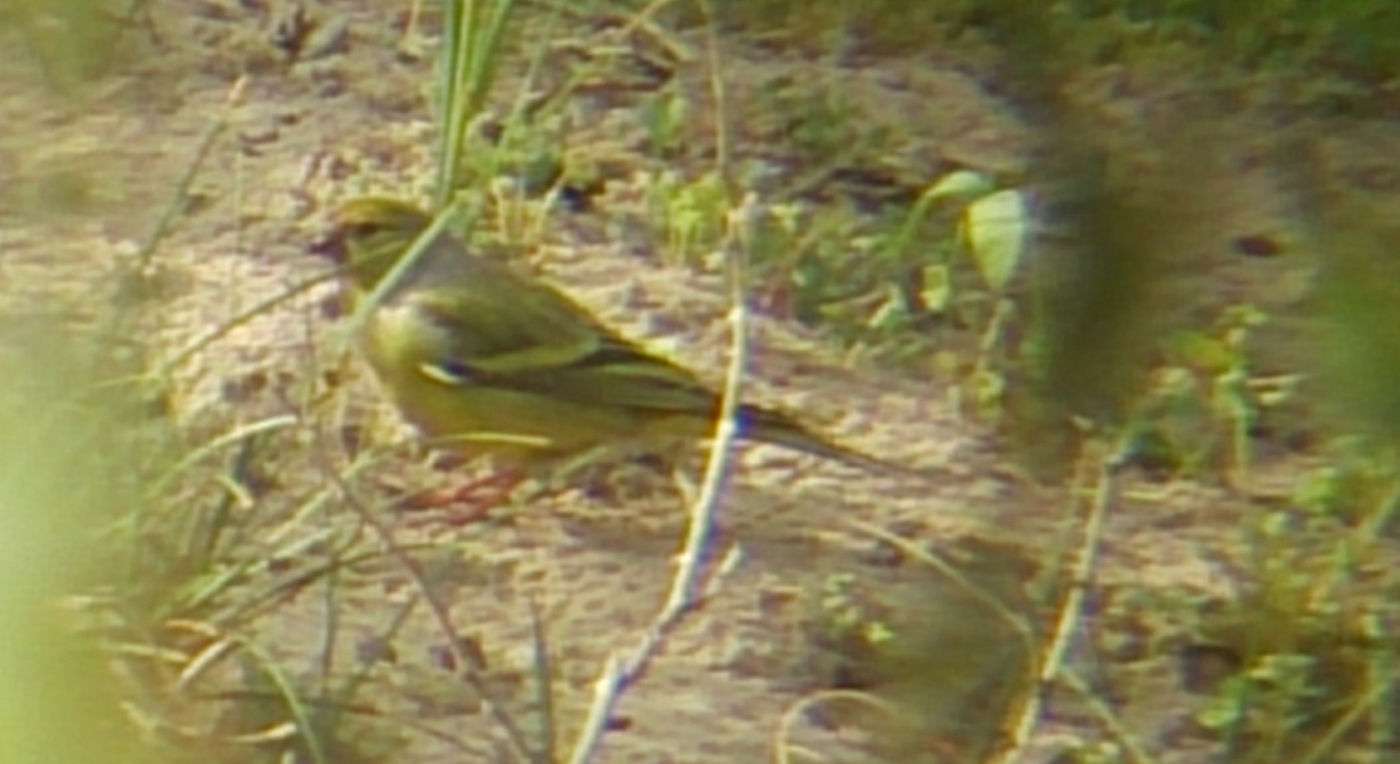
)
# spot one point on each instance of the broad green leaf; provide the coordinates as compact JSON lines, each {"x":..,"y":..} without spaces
{"x":995,"y":227}
{"x":960,"y":184}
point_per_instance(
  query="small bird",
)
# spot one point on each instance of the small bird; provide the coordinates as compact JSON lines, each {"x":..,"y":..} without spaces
{"x":486,"y":360}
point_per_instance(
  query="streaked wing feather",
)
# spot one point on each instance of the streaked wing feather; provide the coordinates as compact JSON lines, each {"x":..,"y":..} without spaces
{"x":494,"y":331}
{"x":547,"y":345}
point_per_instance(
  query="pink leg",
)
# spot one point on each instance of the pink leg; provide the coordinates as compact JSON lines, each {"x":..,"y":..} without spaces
{"x":467,"y":503}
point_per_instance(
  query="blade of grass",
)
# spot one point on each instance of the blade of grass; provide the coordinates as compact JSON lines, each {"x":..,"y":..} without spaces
{"x":472,"y":35}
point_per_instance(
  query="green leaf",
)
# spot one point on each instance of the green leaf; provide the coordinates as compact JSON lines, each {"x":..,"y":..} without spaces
{"x":960,"y":184}
{"x":995,"y":227}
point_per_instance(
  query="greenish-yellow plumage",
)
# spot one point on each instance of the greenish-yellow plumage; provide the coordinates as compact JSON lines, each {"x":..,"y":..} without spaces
{"x":483,"y":358}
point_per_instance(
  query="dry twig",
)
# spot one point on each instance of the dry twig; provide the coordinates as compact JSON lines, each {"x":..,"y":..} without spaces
{"x":1071,"y":613}
{"x":689,"y":586}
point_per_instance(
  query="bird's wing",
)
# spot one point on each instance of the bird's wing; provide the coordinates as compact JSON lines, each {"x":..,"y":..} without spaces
{"x":530,"y":338}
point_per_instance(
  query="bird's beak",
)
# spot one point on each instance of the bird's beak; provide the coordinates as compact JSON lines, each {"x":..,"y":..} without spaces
{"x":331,"y":246}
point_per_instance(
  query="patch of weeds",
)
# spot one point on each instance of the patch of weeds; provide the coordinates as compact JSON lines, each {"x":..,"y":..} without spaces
{"x":1339,"y":54}
{"x":993,"y":233}
{"x":208,"y":551}
{"x":273,"y":717}
{"x":842,"y":618}
{"x":820,"y":142}
{"x":863,"y":247}
{"x":1356,"y":478}
{"x":161,"y":547}
{"x":528,"y":153}
{"x":1202,"y":406}
{"x":884,"y":281}
{"x":895,"y":281}
{"x":664,"y":115}
{"x":1301,"y":666}
{"x":1316,"y":650}
{"x":811,"y":121}
{"x":942,"y":656}
{"x":690,"y":215}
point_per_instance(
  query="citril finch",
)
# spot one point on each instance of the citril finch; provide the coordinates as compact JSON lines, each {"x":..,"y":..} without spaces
{"x":486,"y":360}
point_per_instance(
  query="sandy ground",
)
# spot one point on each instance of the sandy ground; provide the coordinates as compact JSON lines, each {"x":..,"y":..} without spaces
{"x":95,"y":172}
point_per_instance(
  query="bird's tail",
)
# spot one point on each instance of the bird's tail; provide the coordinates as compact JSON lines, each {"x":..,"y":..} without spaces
{"x":779,"y":429}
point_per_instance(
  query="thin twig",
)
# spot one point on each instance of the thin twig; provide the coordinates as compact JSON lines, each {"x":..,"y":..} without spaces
{"x":1105,"y":496}
{"x":723,"y":151}
{"x":689,"y":587}
{"x":544,"y":685}
{"x":188,"y":352}
{"x":606,"y":692}
{"x":180,"y":198}
{"x":296,"y":706}
{"x":118,"y":323}
{"x":990,"y":601}
{"x":1132,"y":749}
{"x":469,"y":665}
{"x":799,"y":710}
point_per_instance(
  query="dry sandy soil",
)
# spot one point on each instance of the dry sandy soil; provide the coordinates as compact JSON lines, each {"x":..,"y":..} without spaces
{"x":89,"y":175}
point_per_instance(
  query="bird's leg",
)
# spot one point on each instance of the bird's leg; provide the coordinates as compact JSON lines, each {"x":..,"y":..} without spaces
{"x":468,"y":502}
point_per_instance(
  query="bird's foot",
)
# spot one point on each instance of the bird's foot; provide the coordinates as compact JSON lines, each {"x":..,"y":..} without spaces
{"x":467,"y":503}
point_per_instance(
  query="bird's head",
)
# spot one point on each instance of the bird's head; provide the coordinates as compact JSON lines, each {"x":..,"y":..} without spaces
{"x":369,"y":235}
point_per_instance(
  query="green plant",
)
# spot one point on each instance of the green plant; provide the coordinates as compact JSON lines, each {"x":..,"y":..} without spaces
{"x":474,"y":32}
{"x":664,"y":115}
{"x":689,"y":214}
{"x":1202,"y":404}
{"x":1311,"y":633}
{"x":843,"y":617}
